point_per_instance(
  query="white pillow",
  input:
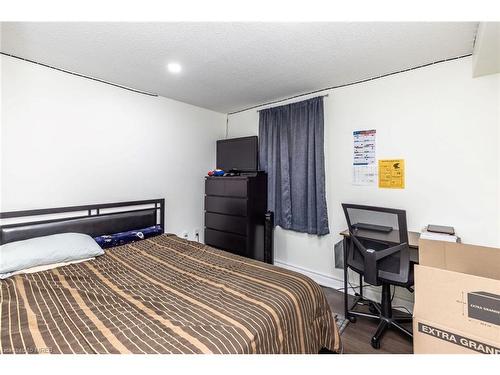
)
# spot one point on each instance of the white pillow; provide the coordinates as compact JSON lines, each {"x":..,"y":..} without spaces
{"x":41,"y":251}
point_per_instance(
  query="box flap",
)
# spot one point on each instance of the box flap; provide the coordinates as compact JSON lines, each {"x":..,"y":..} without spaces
{"x":470,"y":259}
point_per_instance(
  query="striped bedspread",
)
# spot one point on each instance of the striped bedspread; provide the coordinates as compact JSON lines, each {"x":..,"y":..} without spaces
{"x":165,"y":295}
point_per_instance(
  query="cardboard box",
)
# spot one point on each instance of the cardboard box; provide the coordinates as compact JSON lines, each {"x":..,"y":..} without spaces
{"x":457,"y":299}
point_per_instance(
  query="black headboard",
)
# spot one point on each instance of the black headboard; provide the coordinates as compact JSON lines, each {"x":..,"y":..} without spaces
{"x":93,"y":222}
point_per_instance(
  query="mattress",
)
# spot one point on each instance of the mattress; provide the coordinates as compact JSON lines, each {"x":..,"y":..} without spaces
{"x":165,"y":295}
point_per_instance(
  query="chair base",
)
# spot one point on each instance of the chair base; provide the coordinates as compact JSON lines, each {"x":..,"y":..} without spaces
{"x":383,"y":313}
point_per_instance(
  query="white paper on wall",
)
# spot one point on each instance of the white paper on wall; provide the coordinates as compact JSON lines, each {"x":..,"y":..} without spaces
{"x":364,"y":175}
{"x":364,"y":158}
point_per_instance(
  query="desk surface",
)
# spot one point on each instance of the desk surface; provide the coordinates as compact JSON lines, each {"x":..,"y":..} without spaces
{"x":412,"y":237}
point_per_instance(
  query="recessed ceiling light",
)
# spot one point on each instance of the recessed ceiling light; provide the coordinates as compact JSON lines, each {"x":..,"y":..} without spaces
{"x":174,"y":67}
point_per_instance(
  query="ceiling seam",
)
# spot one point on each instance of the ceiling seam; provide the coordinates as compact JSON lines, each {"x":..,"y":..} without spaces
{"x":475,"y":37}
{"x":79,"y":75}
{"x":244,"y":109}
{"x":348,"y":84}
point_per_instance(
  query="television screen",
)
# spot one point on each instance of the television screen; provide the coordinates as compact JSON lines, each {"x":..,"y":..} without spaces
{"x":237,"y":154}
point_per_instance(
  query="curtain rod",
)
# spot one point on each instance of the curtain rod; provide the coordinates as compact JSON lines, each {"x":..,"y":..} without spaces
{"x":349,"y":84}
{"x":78,"y":74}
{"x":293,"y":97}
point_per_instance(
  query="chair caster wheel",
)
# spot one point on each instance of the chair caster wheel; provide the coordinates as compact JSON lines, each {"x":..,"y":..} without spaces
{"x":372,"y":308}
{"x":375,"y":343}
{"x":352,"y":319}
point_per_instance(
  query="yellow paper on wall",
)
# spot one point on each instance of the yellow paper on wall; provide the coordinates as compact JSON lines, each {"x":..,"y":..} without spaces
{"x":391,"y":174}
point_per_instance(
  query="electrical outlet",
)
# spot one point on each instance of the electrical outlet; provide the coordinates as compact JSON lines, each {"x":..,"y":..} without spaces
{"x":196,"y":232}
{"x":185,"y":234}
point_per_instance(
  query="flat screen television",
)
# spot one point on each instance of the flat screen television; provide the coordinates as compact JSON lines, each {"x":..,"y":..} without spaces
{"x":238,"y":154}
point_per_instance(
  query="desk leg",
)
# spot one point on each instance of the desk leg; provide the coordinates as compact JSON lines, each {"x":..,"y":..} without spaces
{"x":346,"y":294}
{"x":361,"y":286}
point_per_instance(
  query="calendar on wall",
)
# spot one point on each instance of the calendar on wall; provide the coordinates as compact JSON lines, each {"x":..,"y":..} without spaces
{"x":364,"y":166}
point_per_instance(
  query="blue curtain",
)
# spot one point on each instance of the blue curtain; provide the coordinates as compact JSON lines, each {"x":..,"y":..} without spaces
{"x":291,"y":139}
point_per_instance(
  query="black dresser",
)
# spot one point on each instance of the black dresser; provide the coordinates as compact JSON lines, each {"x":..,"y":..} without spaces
{"x":235,"y":215}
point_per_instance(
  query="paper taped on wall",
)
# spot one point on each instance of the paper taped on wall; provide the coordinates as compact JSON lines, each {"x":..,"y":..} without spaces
{"x":391,"y":174}
{"x":364,"y":162}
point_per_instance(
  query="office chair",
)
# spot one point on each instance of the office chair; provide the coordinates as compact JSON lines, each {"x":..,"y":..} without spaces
{"x":378,"y":250}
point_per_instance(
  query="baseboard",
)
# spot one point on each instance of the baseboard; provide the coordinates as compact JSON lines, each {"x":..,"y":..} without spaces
{"x":370,"y":292}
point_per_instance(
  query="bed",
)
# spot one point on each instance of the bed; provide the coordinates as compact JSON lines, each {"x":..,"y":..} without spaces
{"x":163,"y":294}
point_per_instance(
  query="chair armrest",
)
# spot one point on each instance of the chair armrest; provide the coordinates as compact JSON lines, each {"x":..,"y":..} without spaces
{"x":391,"y":250}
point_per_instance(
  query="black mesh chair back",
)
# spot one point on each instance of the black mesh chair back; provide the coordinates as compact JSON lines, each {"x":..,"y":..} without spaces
{"x":379,"y":248}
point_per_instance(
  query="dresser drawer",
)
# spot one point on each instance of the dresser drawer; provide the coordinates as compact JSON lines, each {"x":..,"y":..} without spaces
{"x":226,"y":205}
{"x":233,"y":243}
{"x":226,"y":187}
{"x":226,"y":223}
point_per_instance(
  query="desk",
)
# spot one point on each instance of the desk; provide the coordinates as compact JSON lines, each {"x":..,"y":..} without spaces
{"x":392,"y":237}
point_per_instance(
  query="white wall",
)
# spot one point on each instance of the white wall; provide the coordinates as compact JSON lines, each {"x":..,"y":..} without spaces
{"x":68,"y":140}
{"x":444,"y":123}
{"x":486,"y":54}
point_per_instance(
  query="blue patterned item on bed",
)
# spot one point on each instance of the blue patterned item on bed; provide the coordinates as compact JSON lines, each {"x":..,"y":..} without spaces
{"x":122,"y":238}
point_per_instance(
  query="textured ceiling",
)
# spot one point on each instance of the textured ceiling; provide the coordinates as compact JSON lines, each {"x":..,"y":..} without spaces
{"x":230,"y":66}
